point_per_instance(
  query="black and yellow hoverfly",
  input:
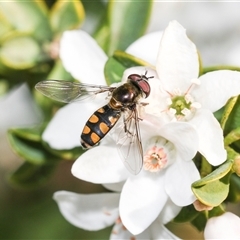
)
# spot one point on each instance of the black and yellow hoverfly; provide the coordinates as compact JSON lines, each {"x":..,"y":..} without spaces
{"x":123,"y":103}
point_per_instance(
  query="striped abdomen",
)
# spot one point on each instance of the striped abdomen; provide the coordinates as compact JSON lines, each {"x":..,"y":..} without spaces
{"x":98,"y":125}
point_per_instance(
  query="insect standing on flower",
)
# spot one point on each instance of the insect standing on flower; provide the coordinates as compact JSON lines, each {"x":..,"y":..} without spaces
{"x":123,"y":102}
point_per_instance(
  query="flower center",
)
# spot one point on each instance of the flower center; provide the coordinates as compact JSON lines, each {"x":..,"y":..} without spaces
{"x":179,"y":103}
{"x":155,"y":159}
{"x":183,"y":106}
{"x":158,"y":155}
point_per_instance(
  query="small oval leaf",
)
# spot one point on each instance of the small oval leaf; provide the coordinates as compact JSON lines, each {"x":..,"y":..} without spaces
{"x":70,"y":154}
{"x":66,"y":15}
{"x":233,"y":136}
{"x":125,"y":22}
{"x":19,"y":52}
{"x":27,"y":16}
{"x":31,"y":176}
{"x":227,"y":110}
{"x":213,"y":189}
{"x":215,"y":175}
{"x":30,"y":150}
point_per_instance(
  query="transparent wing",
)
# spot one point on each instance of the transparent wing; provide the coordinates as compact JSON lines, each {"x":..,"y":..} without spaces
{"x":129,"y":142}
{"x":64,"y":91}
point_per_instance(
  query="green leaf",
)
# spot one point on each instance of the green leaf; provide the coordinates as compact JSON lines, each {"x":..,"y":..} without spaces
{"x":66,"y":15}
{"x":186,"y":214}
{"x":213,"y":189}
{"x":234,"y":190}
{"x":233,"y":136}
{"x":218,"y":173}
{"x":27,"y":144}
{"x":4,"y":86}
{"x":205,"y":167}
{"x":227,"y":110}
{"x":200,"y":221}
{"x":69,"y":154}
{"x":118,"y":63}
{"x":28,"y":17}
{"x":31,"y":134}
{"x":124,"y":22}
{"x":216,"y":68}
{"x":19,"y":51}
{"x":30,"y":176}
{"x":233,"y":122}
{"x":5,"y":26}
{"x":234,"y":118}
{"x":216,"y":211}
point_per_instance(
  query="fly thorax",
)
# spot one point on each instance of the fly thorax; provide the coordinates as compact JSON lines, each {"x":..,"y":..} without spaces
{"x":159,"y":154}
{"x":114,"y":104}
{"x":126,"y":94}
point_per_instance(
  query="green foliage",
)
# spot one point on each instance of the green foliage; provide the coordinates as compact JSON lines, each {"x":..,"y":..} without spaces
{"x":30,"y":176}
{"x":186,"y":214}
{"x":66,"y":15}
{"x":113,"y":33}
{"x":26,"y":39}
{"x":213,"y":189}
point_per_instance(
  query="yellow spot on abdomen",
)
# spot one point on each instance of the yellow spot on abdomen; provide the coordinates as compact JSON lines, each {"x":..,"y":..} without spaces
{"x":95,"y":138}
{"x":101,"y":110}
{"x":112,"y":120}
{"x":93,"y":119}
{"x":103,"y":127}
{"x":86,"y":130}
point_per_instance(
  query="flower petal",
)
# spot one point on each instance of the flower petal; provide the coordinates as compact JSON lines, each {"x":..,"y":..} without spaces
{"x":82,"y":57}
{"x":120,"y":232}
{"x":226,"y":226}
{"x":169,"y":212}
{"x":145,"y":47}
{"x":178,"y":180}
{"x":183,"y":136}
{"x":177,"y":61}
{"x":216,"y":88}
{"x":210,"y":137}
{"x":63,"y":131}
{"x":100,"y":164}
{"x":139,"y":70}
{"x":88,"y":211}
{"x":142,"y":194}
{"x":158,"y":231}
{"x":115,"y":187}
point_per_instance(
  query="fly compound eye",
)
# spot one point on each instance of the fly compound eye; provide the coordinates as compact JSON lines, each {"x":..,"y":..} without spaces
{"x":142,"y":82}
{"x":135,"y":77}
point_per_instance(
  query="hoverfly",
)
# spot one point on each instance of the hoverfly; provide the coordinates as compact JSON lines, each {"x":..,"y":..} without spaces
{"x":123,"y":102}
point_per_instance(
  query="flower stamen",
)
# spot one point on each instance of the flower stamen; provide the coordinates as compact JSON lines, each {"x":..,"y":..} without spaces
{"x":155,"y":159}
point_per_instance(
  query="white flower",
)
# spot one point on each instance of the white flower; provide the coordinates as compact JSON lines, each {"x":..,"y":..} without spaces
{"x":169,"y":170}
{"x":85,"y":60}
{"x":184,"y":96}
{"x":167,"y":176}
{"x":169,"y":146}
{"x":97,"y":211}
{"x":226,"y":226}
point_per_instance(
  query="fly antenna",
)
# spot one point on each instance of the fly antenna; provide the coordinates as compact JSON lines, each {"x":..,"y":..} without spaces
{"x":145,"y":75}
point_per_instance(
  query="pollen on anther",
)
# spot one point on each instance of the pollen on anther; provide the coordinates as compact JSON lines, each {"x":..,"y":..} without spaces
{"x":155,"y":159}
